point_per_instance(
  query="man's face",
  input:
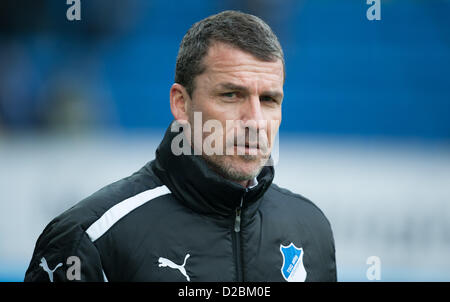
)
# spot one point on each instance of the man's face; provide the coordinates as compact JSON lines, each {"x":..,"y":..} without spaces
{"x":244,"y":94}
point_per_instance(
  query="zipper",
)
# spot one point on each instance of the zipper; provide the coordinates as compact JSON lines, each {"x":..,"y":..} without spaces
{"x":237,"y":219}
{"x":237,"y":241}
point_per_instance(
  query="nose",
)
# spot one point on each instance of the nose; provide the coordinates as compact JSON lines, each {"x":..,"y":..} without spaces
{"x":252,"y":114}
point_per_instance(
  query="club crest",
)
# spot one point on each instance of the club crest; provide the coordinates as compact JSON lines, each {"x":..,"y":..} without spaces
{"x":292,"y":269}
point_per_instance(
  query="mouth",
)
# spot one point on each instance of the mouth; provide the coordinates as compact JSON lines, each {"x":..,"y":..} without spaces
{"x":247,"y":149}
{"x":252,"y":145}
{"x":248,"y":146}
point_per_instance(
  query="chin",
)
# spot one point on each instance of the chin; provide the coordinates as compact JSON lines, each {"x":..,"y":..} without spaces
{"x":246,"y":166}
{"x":237,"y":168}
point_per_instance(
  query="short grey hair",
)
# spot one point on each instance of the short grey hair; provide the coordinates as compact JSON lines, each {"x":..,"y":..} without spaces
{"x":244,"y":31}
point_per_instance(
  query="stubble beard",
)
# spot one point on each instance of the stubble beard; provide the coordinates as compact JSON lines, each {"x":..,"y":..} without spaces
{"x":228,"y":168}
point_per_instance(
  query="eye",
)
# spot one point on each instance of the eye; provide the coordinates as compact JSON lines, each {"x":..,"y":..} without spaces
{"x":229,"y":94}
{"x":266,"y":98}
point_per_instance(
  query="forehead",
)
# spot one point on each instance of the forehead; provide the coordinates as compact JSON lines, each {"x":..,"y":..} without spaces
{"x":226,"y":62}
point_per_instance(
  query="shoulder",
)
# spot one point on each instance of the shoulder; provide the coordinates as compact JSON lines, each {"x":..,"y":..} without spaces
{"x":94,"y":206}
{"x":290,"y":203}
{"x":72,"y":224}
{"x":74,"y":231}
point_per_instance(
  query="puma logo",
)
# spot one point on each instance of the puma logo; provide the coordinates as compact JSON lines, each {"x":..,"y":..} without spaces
{"x":163,"y":262}
{"x":49,"y":271}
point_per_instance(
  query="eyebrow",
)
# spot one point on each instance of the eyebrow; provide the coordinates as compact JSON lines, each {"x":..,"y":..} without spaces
{"x":236,"y":87}
{"x":231,"y":86}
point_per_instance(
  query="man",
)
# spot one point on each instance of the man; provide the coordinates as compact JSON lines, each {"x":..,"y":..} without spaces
{"x":205,"y":209}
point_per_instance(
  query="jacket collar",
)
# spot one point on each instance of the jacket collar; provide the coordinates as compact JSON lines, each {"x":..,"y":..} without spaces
{"x":192,"y":182}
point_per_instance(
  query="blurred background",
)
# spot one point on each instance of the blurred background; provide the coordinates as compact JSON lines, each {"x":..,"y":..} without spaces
{"x":365,"y":131}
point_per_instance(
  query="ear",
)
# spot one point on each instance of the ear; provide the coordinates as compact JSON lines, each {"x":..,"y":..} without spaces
{"x":179,"y":102}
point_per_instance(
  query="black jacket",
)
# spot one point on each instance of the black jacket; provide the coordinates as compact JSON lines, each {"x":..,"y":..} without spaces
{"x":177,"y":220}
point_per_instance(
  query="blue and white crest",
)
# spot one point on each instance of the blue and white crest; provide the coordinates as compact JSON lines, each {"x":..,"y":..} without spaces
{"x":292,"y":268}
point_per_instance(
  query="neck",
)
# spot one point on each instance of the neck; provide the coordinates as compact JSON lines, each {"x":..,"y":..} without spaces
{"x":244,"y":183}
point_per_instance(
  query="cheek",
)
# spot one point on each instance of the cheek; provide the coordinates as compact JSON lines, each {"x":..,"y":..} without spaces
{"x":210,"y":109}
{"x":273,"y":119}
{"x":274,"y":130}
